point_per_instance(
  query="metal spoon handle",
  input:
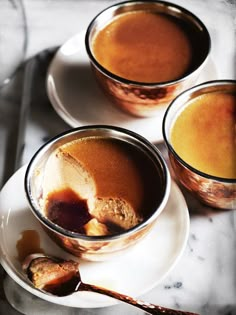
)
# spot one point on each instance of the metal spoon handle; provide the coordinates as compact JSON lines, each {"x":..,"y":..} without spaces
{"x":145,"y":306}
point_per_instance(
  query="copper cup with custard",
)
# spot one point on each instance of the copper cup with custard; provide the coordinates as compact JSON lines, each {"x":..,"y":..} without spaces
{"x":97,"y":190}
{"x":144,"y":53}
{"x":199,"y":129}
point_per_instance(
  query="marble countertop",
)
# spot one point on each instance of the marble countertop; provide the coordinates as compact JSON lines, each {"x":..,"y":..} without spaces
{"x":204,"y":279}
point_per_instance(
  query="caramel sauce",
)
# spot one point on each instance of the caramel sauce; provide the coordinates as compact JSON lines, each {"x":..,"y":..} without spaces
{"x":28,"y":244}
{"x":66,"y":209}
{"x":65,"y":285}
{"x":145,"y":47}
{"x":204,"y":134}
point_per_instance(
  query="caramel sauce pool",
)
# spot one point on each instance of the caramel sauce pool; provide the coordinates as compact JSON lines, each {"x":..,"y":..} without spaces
{"x":204,"y":134}
{"x":144,"y":47}
{"x":67,"y":210}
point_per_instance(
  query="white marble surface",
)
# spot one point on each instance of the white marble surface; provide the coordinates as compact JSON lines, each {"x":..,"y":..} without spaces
{"x":204,"y":280}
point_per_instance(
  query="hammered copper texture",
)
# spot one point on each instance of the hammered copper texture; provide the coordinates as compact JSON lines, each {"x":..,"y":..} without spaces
{"x":140,"y":100}
{"x":92,"y":250}
{"x":217,"y":194}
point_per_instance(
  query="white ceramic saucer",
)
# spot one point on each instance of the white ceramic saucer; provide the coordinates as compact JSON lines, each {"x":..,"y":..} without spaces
{"x":134,"y":273}
{"x":76,"y":97}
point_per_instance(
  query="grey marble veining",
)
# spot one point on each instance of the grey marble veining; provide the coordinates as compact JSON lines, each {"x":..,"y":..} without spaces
{"x":204,"y":279}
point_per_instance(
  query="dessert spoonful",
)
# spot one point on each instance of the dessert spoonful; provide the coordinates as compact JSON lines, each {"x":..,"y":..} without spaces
{"x":60,"y":277}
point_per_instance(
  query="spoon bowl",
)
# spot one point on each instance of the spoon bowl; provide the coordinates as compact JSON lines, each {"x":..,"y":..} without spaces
{"x":59,"y":277}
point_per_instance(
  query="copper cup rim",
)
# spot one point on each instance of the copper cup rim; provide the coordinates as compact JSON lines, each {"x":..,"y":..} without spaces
{"x":73,"y":235}
{"x":186,"y":93}
{"x":138,"y":84}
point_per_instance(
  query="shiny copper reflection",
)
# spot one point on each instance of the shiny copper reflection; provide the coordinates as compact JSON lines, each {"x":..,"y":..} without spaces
{"x":149,"y":99}
{"x":142,"y":101}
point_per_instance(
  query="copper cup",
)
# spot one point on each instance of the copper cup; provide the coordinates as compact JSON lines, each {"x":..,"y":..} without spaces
{"x":214,"y":191}
{"x":96,"y":248}
{"x":148,"y":99}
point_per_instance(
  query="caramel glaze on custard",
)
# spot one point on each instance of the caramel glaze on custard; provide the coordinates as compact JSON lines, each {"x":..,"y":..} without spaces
{"x":204,"y":134}
{"x":144,"y":47}
{"x":119,"y":170}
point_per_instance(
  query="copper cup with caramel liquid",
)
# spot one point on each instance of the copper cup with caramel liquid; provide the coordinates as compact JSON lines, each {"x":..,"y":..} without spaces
{"x":199,"y":131}
{"x":144,"y":53}
{"x":97,"y":190}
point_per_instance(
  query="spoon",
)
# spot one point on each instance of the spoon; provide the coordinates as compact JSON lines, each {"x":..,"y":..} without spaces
{"x":60,"y":277}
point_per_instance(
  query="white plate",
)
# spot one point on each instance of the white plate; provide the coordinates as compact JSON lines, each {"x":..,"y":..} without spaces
{"x":134,"y":273}
{"x":76,"y":97}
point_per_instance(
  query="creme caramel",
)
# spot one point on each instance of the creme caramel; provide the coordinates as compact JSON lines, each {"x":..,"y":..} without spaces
{"x":145,"y":47}
{"x":204,"y":134}
{"x":99,"y":186}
